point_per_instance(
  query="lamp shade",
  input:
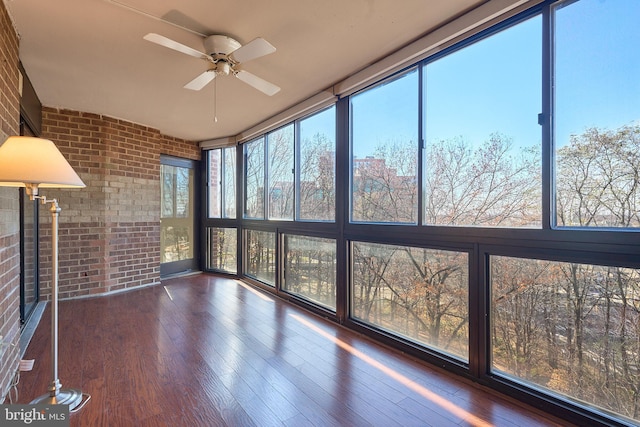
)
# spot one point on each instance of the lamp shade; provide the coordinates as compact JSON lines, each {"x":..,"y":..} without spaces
{"x":37,"y":162}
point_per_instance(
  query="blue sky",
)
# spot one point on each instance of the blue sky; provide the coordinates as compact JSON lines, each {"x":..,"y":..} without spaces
{"x":598,"y":65}
{"x":495,"y":85}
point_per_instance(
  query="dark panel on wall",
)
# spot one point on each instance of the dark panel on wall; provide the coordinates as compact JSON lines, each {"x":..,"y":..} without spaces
{"x":30,"y":106}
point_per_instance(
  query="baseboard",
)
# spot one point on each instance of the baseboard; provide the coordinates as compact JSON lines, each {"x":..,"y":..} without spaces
{"x":29,"y":328}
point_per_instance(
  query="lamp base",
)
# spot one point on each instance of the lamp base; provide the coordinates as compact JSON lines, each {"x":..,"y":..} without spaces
{"x":68,"y":396}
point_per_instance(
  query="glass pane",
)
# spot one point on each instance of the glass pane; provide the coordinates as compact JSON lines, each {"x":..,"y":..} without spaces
{"x":229,"y":182}
{"x":570,"y":328}
{"x":317,"y":166}
{"x":281,"y":161}
{"x":597,"y":113}
{"x":176,"y":235}
{"x":175,"y":241}
{"x":215,"y":183}
{"x":254,"y":179}
{"x":420,"y":294}
{"x":184,"y":178}
{"x":260,"y":255}
{"x":222,"y":249}
{"x":310,"y":269}
{"x":482,"y":156}
{"x":168,"y":177}
{"x":384,"y":149}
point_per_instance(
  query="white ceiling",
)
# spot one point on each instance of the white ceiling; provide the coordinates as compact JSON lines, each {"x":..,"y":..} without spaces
{"x":89,"y":55}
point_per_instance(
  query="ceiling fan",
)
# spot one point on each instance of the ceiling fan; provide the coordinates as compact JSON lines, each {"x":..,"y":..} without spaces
{"x":225,"y":56}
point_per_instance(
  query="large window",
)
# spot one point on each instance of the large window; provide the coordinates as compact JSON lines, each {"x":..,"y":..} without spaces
{"x":260,"y":256}
{"x":222,"y":183}
{"x":281,"y":173}
{"x":483,"y":142}
{"x":384,"y":151}
{"x":317,"y":166}
{"x":419,"y":294}
{"x":479,"y":207}
{"x":299,"y":170}
{"x":222,"y":249}
{"x":310,"y":269}
{"x":571,"y":328}
{"x":254,"y":175}
{"x":597,"y":113}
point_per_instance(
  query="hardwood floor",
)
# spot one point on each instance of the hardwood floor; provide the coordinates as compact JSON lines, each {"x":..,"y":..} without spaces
{"x":209,"y":351}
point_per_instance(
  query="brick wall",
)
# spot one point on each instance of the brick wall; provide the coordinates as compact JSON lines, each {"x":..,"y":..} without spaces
{"x":9,"y":209}
{"x":110,"y":231}
{"x":109,"y":237}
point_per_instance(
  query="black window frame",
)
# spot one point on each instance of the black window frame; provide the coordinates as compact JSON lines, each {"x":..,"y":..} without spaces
{"x":617,"y":246}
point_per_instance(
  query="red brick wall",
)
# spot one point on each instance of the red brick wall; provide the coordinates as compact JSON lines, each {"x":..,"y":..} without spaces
{"x":109,"y":231}
{"x":9,"y":209}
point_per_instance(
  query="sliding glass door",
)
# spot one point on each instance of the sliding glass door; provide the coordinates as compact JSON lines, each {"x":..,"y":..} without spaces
{"x":178,"y":246}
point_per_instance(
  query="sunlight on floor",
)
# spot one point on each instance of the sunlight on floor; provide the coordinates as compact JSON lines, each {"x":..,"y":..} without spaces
{"x":255,"y":291}
{"x":424,"y":392}
{"x":168,"y":293}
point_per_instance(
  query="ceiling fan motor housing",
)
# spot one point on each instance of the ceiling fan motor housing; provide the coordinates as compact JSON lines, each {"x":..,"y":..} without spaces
{"x":220,"y":45}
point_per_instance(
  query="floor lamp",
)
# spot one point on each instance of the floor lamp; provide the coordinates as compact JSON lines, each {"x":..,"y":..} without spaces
{"x":36,"y":163}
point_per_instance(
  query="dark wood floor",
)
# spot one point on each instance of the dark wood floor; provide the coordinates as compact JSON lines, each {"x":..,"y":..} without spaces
{"x":208,"y":351}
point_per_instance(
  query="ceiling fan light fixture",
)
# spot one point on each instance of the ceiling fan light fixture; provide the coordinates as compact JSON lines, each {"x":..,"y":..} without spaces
{"x":222,"y":67}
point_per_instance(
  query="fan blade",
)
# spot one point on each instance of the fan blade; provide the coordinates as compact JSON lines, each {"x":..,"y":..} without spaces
{"x":201,"y":81}
{"x":258,"y":83}
{"x":171,"y":44}
{"x":252,"y":50}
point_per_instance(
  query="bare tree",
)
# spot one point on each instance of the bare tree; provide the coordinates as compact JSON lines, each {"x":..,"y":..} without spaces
{"x":488,"y":186}
{"x":598,"y":179}
{"x":385,"y":185}
{"x":281,"y":173}
{"x":317,"y":178}
{"x":254,"y":178}
{"x":370,"y":265}
{"x":428,"y":305}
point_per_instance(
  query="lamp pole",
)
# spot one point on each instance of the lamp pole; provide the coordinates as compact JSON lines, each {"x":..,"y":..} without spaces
{"x":57,"y":395}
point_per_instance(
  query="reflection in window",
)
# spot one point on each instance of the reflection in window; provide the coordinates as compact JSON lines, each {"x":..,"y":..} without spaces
{"x":260,"y":256}
{"x":254,"y":179}
{"x":420,"y":294}
{"x":482,"y":157}
{"x":183,"y":192}
{"x":317,"y":166}
{"x":215,"y":183}
{"x":229,"y":182}
{"x":570,"y":328}
{"x":384,"y":150}
{"x":310,"y":268}
{"x":281,"y":161}
{"x":222,"y":249}
{"x":597,"y":113}
{"x":168,"y":193}
{"x":222,"y":183}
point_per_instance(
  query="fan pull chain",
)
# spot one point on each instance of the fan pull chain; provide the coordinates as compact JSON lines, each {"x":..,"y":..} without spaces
{"x":215,"y":99}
